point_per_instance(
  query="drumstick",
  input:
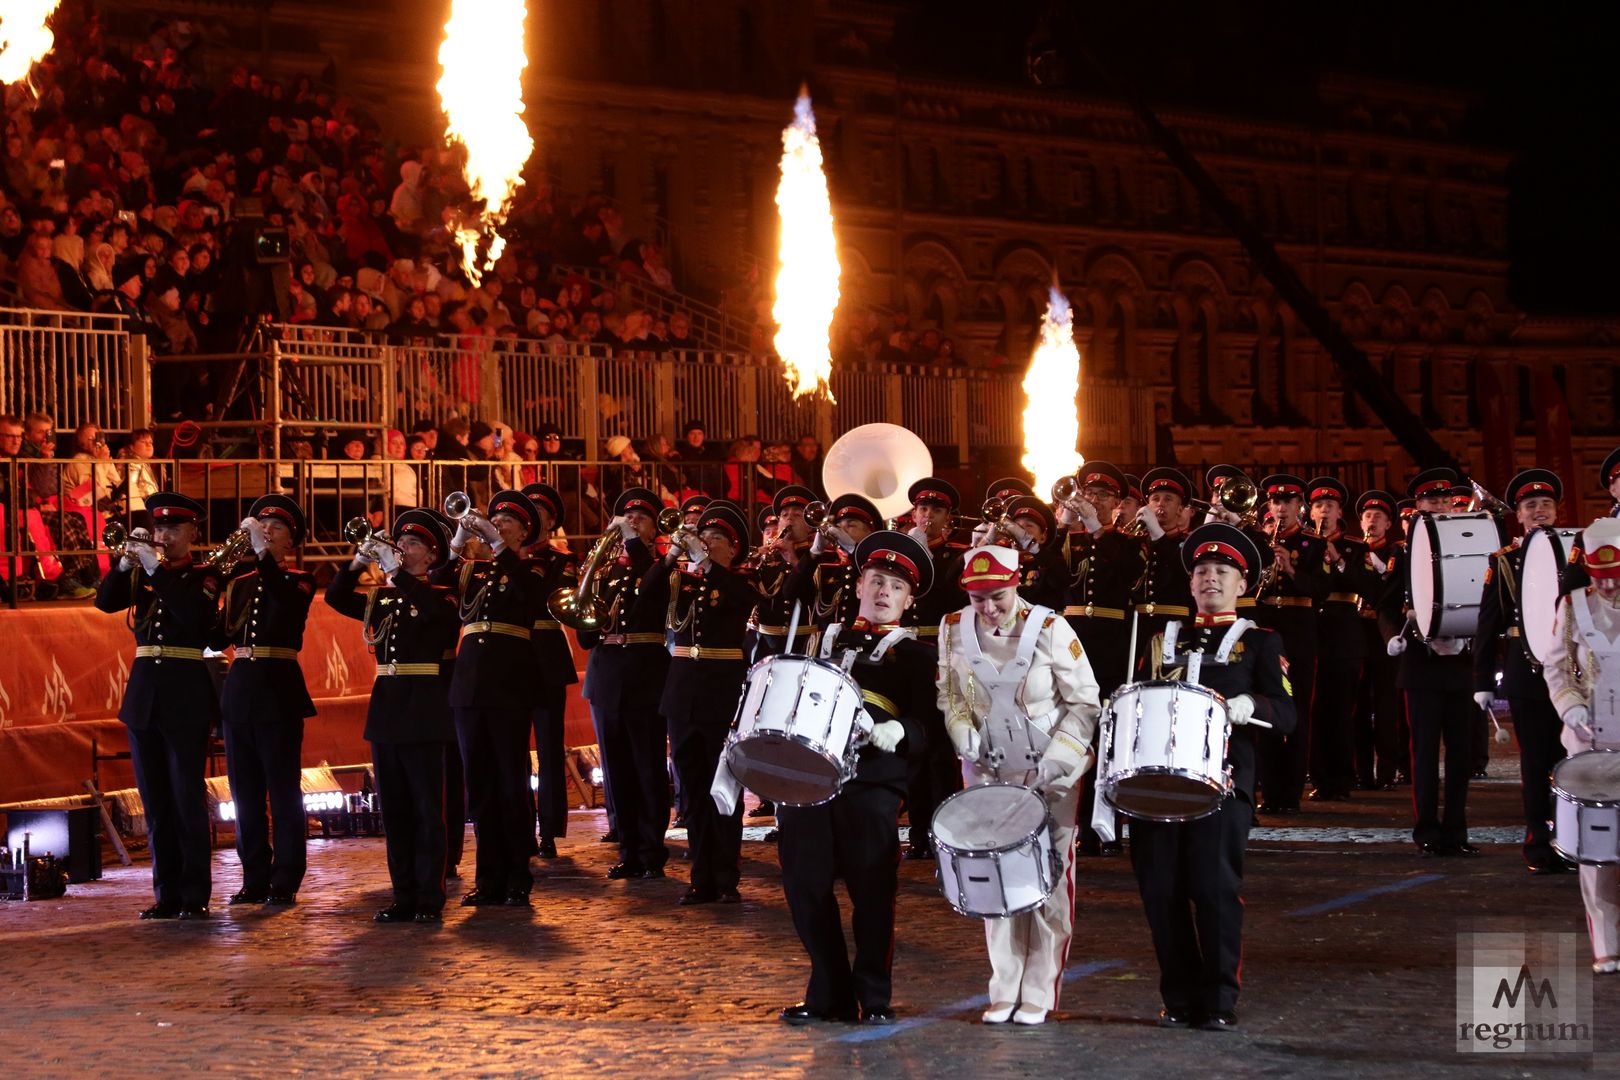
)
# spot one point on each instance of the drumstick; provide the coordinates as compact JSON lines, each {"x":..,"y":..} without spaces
{"x":1258,"y":723}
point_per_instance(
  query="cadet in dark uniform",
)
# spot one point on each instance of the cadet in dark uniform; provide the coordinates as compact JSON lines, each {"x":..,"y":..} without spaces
{"x":408,"y":624}
{"x":935,"y":774}
{"x":624,"y":682}
{"x":1341,"y":634}
{"x":493,"y":693}
{"x":1162,"y":592}
{"x":554,"y":673}
{"x":1298,"y":582}
{"x":692,"y":509}
{"x":706,"y":603}
{"x":170,"y":706}
{"x":1383,"y":741}
{"x":266,"y":702}
{"x":1191,"y":874}
{"x":1534,"y":495}
{"x":777,"y":562}
{"x":854,"y":835}
{"x":825,"y":579}
{"x":1043,"y":568}
{"x":1437,"y":681}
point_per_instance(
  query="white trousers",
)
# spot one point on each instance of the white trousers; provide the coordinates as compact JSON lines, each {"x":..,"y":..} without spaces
{"x":1600,"y":887}
{"x":1028,"y":951}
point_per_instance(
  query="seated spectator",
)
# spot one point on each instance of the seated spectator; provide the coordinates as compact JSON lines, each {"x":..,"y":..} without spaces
{"x":37,"y":283}
{"x":48,"y":492}
{"x":806,"y":462}
{"x":98,"y":268}
{"x":163,"y":307}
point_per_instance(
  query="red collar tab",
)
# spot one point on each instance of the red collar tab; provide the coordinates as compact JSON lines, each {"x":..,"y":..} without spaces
{"x":1220,"y":618}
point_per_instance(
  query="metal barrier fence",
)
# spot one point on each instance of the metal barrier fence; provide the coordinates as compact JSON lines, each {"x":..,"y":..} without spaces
{"x":72,"y":366}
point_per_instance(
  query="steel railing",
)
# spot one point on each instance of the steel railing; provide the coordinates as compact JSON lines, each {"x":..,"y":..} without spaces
{"x":69,"y":365}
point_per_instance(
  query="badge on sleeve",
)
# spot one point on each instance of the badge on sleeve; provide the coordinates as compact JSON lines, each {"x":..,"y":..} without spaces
{"x":1074,"y":648}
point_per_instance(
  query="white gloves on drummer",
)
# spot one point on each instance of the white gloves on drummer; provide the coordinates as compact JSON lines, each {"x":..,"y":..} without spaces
{"x":1052,"y":775}
{"x":1483,"y":699}
{"x":1240,"y":709}
{"x":255,"y":531}
{"x":1150,"y":522}
{"x":1579,"y":720}
{"x":887,"y":735}
{"x":1395,"y":646}
{"x":965,"y":737}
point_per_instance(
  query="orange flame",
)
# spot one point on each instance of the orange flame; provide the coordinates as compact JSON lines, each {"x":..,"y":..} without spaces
{"x":807,"y":283}
{"x":1051,"y":420}
{"x":24,"y":37}
{"x":481,"y":93}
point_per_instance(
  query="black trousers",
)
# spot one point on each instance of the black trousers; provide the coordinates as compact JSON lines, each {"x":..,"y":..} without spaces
{"x":1437,"y":715}
{"x":495,"y":753}
{"x":410,"y":785}
{"x":636,"y":778}
{"x":1538,"y":727}
{"x":1107,"y":644}
{"x":551,"y":801}
{"x":608,"y":804}
{"x":1383,"y":741}
{"x":1333,"y":707}
{"x":1283,"y":758}
{"x":714,"y":840}
{"x":169,"y":770}
{"x":855,"y":837}
{"x":1190,"y":876}
{"x":931,"y":777}
{"x":263,"y":761}
{"x":455,"y":807}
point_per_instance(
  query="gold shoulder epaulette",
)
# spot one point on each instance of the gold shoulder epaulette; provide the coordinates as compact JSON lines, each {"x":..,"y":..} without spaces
{"x":953,"y":618}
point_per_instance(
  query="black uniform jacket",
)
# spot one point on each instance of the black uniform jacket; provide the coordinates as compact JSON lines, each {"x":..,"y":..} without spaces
{"x":552,"y":570}
{"x":1164,"y":579}
{"x":825,"y":584}
{"x":408,"y":622}
{"x":898,"y":687}
{"x":1102,"y":568}
{"x":1499,"y":618}
{"x":494,"y":667}
{"x":1256,"y":667}
{"x":176,"y":606}
{"x":1420,"y":667}
{"x":708,"y":613}
{"x":266,"y":605}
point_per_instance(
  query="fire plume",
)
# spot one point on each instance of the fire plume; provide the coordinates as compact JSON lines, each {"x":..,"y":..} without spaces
{"x":481,"y":92}
{"x":24,"y":37}
{"x":807,"y":283}
{"x":1051,"y":419}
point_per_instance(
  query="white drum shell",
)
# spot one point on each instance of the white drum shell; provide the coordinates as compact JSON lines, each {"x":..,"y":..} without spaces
{"x":1450,"y":554}
{"x":1546,"y":553}
{"x":1164,"y":751}
{"x":1586,"y":807}
{"x":995,"y":851}
{"x":795,"y":737}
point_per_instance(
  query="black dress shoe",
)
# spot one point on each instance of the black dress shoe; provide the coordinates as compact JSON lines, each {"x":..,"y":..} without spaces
{"x":609,"y":837}
{"x":1219,"y":1021}
{"x":799,"y":1014}
{"x":1429,"y":851}
{"x":242,"y":896}
{"x":282,"y":899}
{"x":161,"y":911}
{"x":395,"y":913}
{"x":1113,"y":848}
{"x":431,"y":916}
{"x":1481,"y":774}
{"x":652,"y":873}
{"x":1463,"y":850}
{"x":1544,"y":869}
{"x":694,"y":895}
{"x":482,"y":898}
{"x":763,"y":810}
{"x":623,"y":871}
{"x":1175,"y":1018}
{"x":193,"y":911}
{"x":920,"y":852}
{"x":774,"y":836}
{"x":548,"y":848}
{"x":882,"y":1016}
{"x":730,"y":896}
{"x":517,"y":898}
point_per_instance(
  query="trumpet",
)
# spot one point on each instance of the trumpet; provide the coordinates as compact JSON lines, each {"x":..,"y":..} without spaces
{"x":818,"y":515}
{"x":1067,"y":494}
{"x":358,"y":531}
{"x":234,"y":549}
{"x":1236,"y":495}
{"x":670,"y":522}
{"x":1131,"y":527}
{"x":458,"y":507}
{"x":117,"y":540}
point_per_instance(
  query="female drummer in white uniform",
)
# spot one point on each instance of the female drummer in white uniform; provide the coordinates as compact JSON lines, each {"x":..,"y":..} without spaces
{"x":1020,"y":703}
{"x":1583,"y":670}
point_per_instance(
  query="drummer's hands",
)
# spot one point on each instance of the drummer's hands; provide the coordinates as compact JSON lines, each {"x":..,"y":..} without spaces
{"x":1055,"y":776}
{"x":1395,"y":646}
{"x":1240,"y":709}
{"x":965,"y":737}
{"x":887,"y":735}
{"x":1483,"y":699}
{"x":1579,"y":720}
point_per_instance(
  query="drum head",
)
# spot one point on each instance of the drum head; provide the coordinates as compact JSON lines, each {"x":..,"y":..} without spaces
{"x":1422,"y":575}
{"x":1592,"y":776}
{"x":1164,"y":796}
{"x":988,"y":817}
{"x":1544,"y":555}
{"x":784,"y":770}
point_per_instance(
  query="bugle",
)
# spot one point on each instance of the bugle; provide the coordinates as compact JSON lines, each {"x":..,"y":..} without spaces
{"x":116,"y":539}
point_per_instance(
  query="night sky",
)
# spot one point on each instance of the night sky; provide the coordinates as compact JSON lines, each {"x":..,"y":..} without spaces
{"x":1543,"y":78}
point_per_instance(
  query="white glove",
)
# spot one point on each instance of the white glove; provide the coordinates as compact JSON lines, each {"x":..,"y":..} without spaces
{"x":126,"y":562}
{"x":148,"y":556}
{"x":626,"y":530}
{"x":818,"y":544}
{"x":981,"y":534}
{"x":1150,"y":521}
{"x":387,"y":559}
{"x":1395,"y":646}
{"x":1089,"y":518}
{"x":1021,"y":536}
{"x":1579,"y":720}
{"x":1483,"y":699}
{"x":459,"y":541}
{"x":1379,"y":565}
{"x":695,"y":551}
{"x":364,"y":556}
{"x":1240,"y":709}
{"x":887,"y":735}
{"x":844,"y":541}
{"x":486,"y":530}
{"x":1053,"y":776}
{"x":255,"y":531}
{"x":1066,"y":517}
{"x":919,"y":534}
{"x":129,"y":559}
{"x":965,"y":737}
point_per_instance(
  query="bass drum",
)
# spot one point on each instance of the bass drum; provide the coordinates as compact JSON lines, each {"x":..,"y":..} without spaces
{"x":1546,"y":554}
{"x":1450,"y":554}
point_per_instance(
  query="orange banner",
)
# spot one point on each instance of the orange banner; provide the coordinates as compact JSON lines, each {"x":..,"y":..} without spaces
{"x":62,"y":676}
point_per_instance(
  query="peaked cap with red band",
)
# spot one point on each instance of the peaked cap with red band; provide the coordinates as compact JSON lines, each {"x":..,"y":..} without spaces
{"x":281,"y":508}
{"x":516,"y":504}
{"x":637,"y":498}
{"x":932,"y":489}
{"x":1533,"y":483}
{"x":1222,"y":543}
{"x":428,"y":527}
{"x":899,"y":554}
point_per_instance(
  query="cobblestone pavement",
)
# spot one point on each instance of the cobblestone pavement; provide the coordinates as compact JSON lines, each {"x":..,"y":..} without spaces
{"x":1350,"y":970}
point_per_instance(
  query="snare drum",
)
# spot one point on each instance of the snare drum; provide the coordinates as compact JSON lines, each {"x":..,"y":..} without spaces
{"x":1450,"y":555}
{"x":1546,"y":553}
{"x":1164,"y":751}
{"x":995,"y":850}
{"x":797,"y":731}
{"x":1586,"y":807}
